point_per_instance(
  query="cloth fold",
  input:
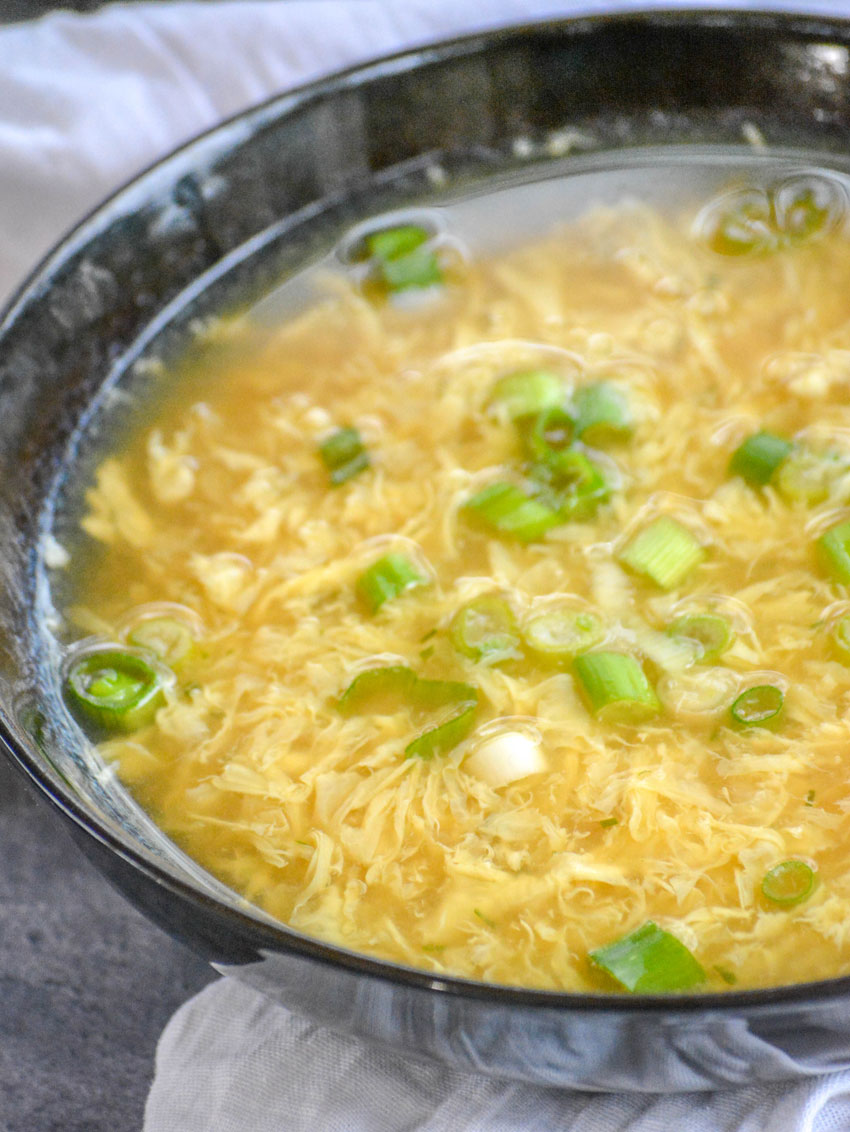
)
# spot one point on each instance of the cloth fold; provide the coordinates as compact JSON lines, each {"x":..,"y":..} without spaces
{"x":85,"y":103}
{"x":232,"y":1061}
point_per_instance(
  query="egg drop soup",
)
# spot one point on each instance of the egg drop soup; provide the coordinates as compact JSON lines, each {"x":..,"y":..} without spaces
{"x":489,"y":614}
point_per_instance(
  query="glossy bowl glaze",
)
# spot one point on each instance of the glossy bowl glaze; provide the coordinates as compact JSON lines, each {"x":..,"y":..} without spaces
{"x":219,"y":223}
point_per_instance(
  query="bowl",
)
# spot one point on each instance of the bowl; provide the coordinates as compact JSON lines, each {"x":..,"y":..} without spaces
{"x":219,"y":224}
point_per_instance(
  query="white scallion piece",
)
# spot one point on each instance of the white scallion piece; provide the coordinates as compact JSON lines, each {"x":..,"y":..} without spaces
{"x":505,"y":758}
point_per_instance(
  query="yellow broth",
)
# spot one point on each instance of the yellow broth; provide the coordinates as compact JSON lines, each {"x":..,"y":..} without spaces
{"x":223,"y":506}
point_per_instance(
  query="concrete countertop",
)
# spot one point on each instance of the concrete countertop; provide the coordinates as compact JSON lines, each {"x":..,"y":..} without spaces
{"x":86,"y":983}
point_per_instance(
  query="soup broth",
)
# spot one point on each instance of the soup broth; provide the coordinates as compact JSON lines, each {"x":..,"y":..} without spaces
{"x":497,"y":618}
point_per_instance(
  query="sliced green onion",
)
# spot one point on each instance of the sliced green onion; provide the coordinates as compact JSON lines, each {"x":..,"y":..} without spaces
{"x":379,"y":691}
{"x":711,"y":633}
{"x":550,"y":435}
{"x":649,"y":961}
{"x":528,"y":392}
{"x":603,"y":413}
{"x":833,"y":548}
{"x":745,"y":230}
{"x":486,"y":630}
{"x":505,"y":508}
{"x":392,"y":243}
{"x":841,"y":638}
{"x":805,"y":217}
{"x":115,"y":690}
{"x":420,"y":268}
{"x":790,"y":882}
{"x":344,"y":454}
{"x":561,"y":634}
{"x":615,"y":687}
{"x":665,"y":552}
{"x":402,"y":259}
{"x":168,"y":638}
{"x":445,"y":736}
{"x":757,"y":459}
{"x":759,"y":706}
{"x":806,"y":477}
{"x":388,"y":578}
{"x":382,"y":691}
{"x":571,"y":484}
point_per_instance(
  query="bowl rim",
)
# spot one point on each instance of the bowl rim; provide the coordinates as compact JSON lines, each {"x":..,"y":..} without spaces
{"x":263,"y":932}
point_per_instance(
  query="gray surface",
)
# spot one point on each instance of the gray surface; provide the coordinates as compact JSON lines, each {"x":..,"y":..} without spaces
{"x":86,"y":983}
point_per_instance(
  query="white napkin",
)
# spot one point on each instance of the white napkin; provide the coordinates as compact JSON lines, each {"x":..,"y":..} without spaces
{"x":85,"y":103}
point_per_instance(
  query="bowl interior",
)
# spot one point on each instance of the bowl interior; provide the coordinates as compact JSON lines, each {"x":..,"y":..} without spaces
{"x":573,"y":113}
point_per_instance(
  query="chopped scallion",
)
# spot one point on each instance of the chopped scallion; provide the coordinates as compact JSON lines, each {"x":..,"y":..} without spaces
{"x":382,"y":691}
{"x":561,"y":634}
{"x":485,"y":630}
{"x":603,"y":413}
{"x":833,"y":549}
{"x":571,"y":484}
{"x":508,"y":510}
{"x":790,"y":882}
{"x":805,"y":216}
{"x":419,"y":268}
{"x":527,"y":393}
{"x":805,"y":476}
{"x":649,"y":961}
{"x":344,"y":455}
{"x":379,"y":691}
{"x":615,"y":687}
{"x":114,"y":690}
{"x":745,"y":229}
{"x":759,"y":706}
{"x":759,"y":457}
{"x":388,"y":578}
{"x":391,"y":243}
{"x":168,"y":638}
{"x":550,"y":436}
{"x":402,"y":258}
{"x":711,"y":633}
{"x":665,"y":552}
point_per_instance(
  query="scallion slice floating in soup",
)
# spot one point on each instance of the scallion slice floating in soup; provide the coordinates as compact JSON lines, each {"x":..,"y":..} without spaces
{"x":603,"y":413}
{"x":486,"y":630}
{"x":759,"y":457}
{"x":561,"y":634}
{"x":114,"y":690}
{"x":711,"y":633}
{"x":665,"y":552}
{"x":382,"y":691}
{"x":508,"y":510}
{"x":344,"y":455}
{"x":615,"y":687}
{"x":649,"y":961}
{"x":168,"y":638}
{"x":550,"y":436}
{"x":388,"y":578}
{"x":393,"y":243}
{"x":573,"y":486}
{"x":402,"y":260}
{"x":790,"y":882}
{"x":833,"y":549}
{"x":745,"y":229}
{"x":805,"y":476}
{"x":759,"y":706}
{"x":527,"y":393}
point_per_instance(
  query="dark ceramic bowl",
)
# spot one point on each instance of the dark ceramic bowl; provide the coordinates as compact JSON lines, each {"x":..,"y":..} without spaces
{"x":219,"y":223}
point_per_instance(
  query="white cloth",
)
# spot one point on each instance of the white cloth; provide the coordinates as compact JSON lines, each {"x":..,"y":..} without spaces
{"x":85,"y":103}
